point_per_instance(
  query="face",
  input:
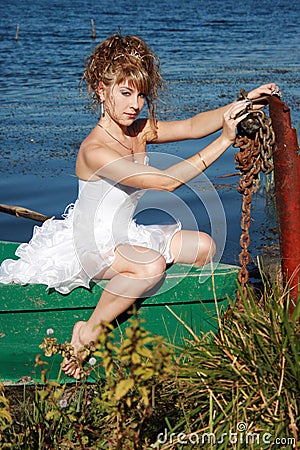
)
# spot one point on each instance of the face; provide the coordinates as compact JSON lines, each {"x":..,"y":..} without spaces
{"x":123,"y":103}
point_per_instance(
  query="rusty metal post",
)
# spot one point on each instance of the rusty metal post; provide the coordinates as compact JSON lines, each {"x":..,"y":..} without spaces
{"x":287,"y":187}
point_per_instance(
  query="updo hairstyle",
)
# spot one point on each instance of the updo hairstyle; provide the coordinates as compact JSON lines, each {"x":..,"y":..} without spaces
{"x":124,"y":58}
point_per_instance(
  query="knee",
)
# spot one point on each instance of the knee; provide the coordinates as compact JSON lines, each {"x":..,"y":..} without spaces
{"x":211,"y":249}
{"x":153,"y":270}
{"x":207,"y":249}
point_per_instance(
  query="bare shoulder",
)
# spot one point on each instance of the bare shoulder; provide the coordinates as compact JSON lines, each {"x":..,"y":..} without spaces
{"x":88,"y":146}
{"x":92,"y":155}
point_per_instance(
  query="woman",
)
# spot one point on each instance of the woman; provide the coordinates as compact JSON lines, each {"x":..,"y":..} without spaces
{"x":98,"y":239}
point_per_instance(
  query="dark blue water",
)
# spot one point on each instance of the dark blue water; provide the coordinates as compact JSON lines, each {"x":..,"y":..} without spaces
{"x":209,"y":51}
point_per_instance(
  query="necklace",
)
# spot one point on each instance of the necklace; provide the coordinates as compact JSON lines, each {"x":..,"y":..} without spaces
{"x":117,"y":140}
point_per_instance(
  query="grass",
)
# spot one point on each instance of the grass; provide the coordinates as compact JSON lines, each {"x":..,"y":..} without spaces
{"x":238,"y":389}
{"x":245,"y":385}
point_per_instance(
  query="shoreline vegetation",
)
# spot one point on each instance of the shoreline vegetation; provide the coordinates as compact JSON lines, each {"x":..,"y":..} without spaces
{"x":238,"y":388}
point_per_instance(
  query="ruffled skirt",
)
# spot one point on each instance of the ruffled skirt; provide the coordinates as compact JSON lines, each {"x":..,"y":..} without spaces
{"x":57,"y":258}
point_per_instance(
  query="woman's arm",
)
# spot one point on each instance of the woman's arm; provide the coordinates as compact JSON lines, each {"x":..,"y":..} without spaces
{"x":106,"y":162}
{"x":204,"y":123}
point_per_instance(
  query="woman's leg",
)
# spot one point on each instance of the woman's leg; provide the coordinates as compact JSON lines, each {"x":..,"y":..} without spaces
{"x":192,"y":247}
{"x":135,"y":270}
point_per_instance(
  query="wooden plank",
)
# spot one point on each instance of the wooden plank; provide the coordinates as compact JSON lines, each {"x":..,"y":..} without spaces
{"x":181,"y":284}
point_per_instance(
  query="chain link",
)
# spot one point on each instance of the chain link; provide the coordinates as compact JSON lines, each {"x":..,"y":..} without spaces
{"x":255,"y":140}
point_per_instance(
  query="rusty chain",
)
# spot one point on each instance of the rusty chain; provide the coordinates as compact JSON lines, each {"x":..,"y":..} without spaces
{"x":255,"y":140}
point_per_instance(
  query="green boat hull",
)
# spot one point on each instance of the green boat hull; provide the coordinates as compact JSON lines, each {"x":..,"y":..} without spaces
{"x":191,"y":295}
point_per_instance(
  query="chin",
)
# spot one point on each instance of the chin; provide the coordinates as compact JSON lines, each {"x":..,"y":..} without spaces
{"x":127,"y":122}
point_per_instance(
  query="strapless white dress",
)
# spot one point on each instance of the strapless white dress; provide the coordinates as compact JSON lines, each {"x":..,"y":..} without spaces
{"x":69,"y":252}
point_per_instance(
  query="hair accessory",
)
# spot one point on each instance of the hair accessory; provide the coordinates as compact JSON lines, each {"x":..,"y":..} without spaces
{"x":132,"y":52}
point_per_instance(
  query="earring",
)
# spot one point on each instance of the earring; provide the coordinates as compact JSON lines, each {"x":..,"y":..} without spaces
{"x":102,"y":110}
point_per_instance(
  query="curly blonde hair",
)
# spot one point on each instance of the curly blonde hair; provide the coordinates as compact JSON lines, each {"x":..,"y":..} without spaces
{"x":124,"y":58}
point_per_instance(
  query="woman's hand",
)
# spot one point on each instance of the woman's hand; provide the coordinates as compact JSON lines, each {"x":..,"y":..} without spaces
{"x":261,"y":91}
{"x":231,"y":119}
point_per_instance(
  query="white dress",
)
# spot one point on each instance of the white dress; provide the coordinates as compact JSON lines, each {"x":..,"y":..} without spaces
{"x":67,"y":253}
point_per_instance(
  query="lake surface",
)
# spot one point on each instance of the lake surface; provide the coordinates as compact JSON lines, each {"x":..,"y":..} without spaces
{"x":208,"y":50}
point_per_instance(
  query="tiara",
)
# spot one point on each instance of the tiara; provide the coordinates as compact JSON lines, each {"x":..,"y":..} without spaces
{"x":133,"y":53}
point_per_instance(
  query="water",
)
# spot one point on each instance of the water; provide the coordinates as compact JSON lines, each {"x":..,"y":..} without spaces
{"x":209,"y":51}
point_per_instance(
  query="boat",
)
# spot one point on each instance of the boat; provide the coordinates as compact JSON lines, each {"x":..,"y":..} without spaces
{"x":189,"y":298}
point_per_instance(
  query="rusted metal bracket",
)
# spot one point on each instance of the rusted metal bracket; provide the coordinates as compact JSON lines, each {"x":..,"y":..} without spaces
{"x":287,"y":188}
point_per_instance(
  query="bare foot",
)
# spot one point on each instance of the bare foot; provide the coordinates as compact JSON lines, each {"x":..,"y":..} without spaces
{"x":72,"y":366}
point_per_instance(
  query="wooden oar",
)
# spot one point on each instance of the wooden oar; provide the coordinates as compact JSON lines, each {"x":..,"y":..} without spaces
{"x":19,"y":211}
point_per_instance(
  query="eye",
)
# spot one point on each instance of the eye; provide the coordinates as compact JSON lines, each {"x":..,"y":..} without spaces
{"x":142,"y":95}
{"x":125,"y":92}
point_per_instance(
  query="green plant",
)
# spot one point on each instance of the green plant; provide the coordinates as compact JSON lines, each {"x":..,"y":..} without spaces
{"x":133,"y":369}
{"x":238,"y":389}
{"x":113,"y":405}
{"x":243,"y":389}
{"x":5,"y":417}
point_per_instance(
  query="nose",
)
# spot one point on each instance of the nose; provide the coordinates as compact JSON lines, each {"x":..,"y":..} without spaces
{"x":137,"y":102}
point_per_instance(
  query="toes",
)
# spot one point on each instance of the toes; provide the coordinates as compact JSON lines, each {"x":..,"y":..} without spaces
{"x":67,"y":367}
{"x":77,"y":373}
{"x":72,"y":365}
{"x":71,"y":370}
{"x":66,"y":364}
